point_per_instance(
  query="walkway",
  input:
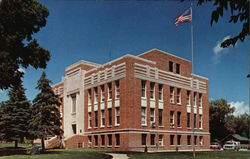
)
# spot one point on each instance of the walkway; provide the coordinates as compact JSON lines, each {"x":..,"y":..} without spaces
{"x":118,"y":155}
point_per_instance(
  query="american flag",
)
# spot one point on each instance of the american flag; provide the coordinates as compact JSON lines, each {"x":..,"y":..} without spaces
{"x":185,"y":17}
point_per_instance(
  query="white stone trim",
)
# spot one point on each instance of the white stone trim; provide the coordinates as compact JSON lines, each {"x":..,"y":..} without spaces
{"x":81,"y":62}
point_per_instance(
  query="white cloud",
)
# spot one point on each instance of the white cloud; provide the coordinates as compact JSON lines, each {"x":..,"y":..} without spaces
{"x":240,"y":107}
{"x":21,"y":70}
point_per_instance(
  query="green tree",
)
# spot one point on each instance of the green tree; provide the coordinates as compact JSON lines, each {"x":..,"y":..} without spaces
{"x":242,"y":125}
{"x":45,"y":119}
{"x":239,"y":10}
{"x":220,"y":117}
{"x":15,"y":114}
{"x":19,"y":20}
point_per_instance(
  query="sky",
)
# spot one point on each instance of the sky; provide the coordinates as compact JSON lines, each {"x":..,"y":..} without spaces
{"x":100,"y":31}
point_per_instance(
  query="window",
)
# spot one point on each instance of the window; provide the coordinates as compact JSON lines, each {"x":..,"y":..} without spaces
{"x":117,"y":115}
{"x":117,"y":139}
{"x":96,"y":95}
{"x":109,"y":90}
{"x":143,"y":116}
{"x":102,"y":140}
{"x":79,"y":145}
{"x":89,"y":96}
{"x":195,"y":140}
{"x":90,"y":141}
{"x":152,"y":88}
{"x":171,"y":139}
{"x":160,"y":92}
{"x":188,"y":98}
{"x":117,"y":89}
{"x":200,"y":100}
{"x":171,"y":94}
{"x":90,"y":120}
{"x":171,"y":66}
{"x":102,"y":93}
{"x":96,"y":118}
{"x":194,"y":100}
{"x":178,"y":119}
{"x":200,"y":121}
{"x":143,"y":89}
{"x":73,"y":98}
{"x":110,"y":116}
{"x":188,"y":120}
{"x":178,"y":139}
{"x":96,"y":140}
{"x":109,"y":139}
{"x":152,"y":115}
{"x":143,"y":139}
{"x":189,"y":139}
{"x":171,"y":118}
{"x":74,"y":128}
{"x":160,"y":140}
{"x":102,"y":118}
{"x":194,"y":120}
{"x":152,"y":139}
{"x":160,"y":116}
{"x":178,"y":68}
{"x":178,"y":96}
{"x":201,"y":140}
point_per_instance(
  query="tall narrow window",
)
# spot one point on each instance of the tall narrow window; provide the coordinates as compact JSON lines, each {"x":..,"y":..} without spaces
{"x":189,"y":139}
{"x":117,"y":139}
{"x":171,"y":139}
{"x":200,"y":100}
{"x":102,"y":140}
{"x":178,"y":119}
{"x":178,"y":96}
{"x":96,"y":140}
{"x":102,"y":93}
{"x":201,"y":140}
{"x":152,"y":139}
{"x":90,"y":141}
{"x":117,"y":116}
{"x":109,"y":90}
{"x":110,"y":116}
{"x":152,"y":89}
{"x":160,"y":94}
{"x":171,"y":94}
{"x":178,"y":139}
{"x":73,"y":97}
{"x":194,"y":120}
{"x":74,"y":128}
{"x":96,"y":95}
{"x":188,"y":120}
{"x":152,"y":115}
{"x":102,"y":118}
{"x":90,"y":120}
{"x":194,"y":100}
{"x":143,"y":89}
{"x":195,"y":140}
{"x":160,"y":116}
{"x":89,"y":96}
{"x":96,"y":118}
{"x":143,"y":116}
{"x":143,"y":139}
{"x":188,"y":98}
{"x":171,"y":66}
{"x":109,"y":139}
{"x":160,"y":140}
{"x":178,"y":68}
{"x":171,"y":118}
{"x":117,"y":89}
{"x":200,"y":121}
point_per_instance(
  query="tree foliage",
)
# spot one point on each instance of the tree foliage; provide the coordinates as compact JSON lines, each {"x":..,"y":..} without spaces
{"x":45,"y":119}
{"x":19,"y":20}
{"x":14,"y":115}
{"x":239,"y":10}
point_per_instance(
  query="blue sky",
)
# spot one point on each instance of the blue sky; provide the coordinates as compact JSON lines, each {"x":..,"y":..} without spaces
{"x":99,"y":31}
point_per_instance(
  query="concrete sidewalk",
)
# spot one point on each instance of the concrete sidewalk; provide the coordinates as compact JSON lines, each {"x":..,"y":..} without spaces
{"x":118,"y":156}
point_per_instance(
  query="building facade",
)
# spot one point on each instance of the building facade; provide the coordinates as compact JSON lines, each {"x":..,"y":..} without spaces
{"x":151,"y":100}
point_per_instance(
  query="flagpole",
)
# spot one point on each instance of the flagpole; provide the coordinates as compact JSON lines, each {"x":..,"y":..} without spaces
{"x":192,"y":54}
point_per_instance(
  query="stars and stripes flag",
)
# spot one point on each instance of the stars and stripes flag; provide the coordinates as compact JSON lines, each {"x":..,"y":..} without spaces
{"x":185,"y":17}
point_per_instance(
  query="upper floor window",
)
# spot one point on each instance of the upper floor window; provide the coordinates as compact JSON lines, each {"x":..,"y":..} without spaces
{"x":194,"y":100}
{"x":143,"y":116}
{"x":152,"y":89}
{"x":178,"y":68}
{"x":143,"y":89}
{"x":96,"y":95}
{"x":188,"y":98}
{"x":178,"y":96}
{"x":117,"y":115}
{"x":102,"y":93}
{"x":178,"y":119}
{"x":160,"y":92}
{"x":152,"y":115}
{"x":109,"y":90}
{"x":171,"y":94}
{"x":188,"y":120}
{"x":110,"y":116}
{"x":117,"y":89}
{"x":96,"y":118}
{"x":90,"y":120}
{"x":73,"y":98}
{"x":200,"y":100}
{"x":102,"y":118}
{"x":89,"y":96}
{"x":171,"y":66}
{"x":194,"y":120}
{"x":200,"y":121}
{"x":171,"y":118}
{"x":160,"y":116}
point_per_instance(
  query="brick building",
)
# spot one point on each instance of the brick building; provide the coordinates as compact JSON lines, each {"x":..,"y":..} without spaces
{"x":133,"y":102}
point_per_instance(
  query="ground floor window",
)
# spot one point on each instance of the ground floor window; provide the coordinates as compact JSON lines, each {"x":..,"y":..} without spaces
{"x":195,"y":140}
{"x":189,"y":140}
{"x":143,"y":139}
{"x":74,"y":128}
{"x":171,"y":139}
{"x":160,"y":140}
{"x":201,"y":140}
{"x":79,"y":144}
{"x":179,"y":140}
{"x":109,"y":139}
{"x":117,"y":139}
{"x":96,"y":140}
{"x":102,"y":140}
{"x":152,"y":139}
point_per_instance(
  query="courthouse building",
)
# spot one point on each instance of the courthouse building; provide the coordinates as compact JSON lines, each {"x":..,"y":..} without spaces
{"x":133,"y":102}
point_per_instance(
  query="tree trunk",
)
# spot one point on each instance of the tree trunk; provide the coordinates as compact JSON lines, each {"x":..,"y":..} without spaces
{"x":16,"y":143}
{"x":43,"y":145}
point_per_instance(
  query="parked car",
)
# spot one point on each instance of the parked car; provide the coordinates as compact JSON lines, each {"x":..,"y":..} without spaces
{"x":231,"y":145}
{"x":215,"y":146}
